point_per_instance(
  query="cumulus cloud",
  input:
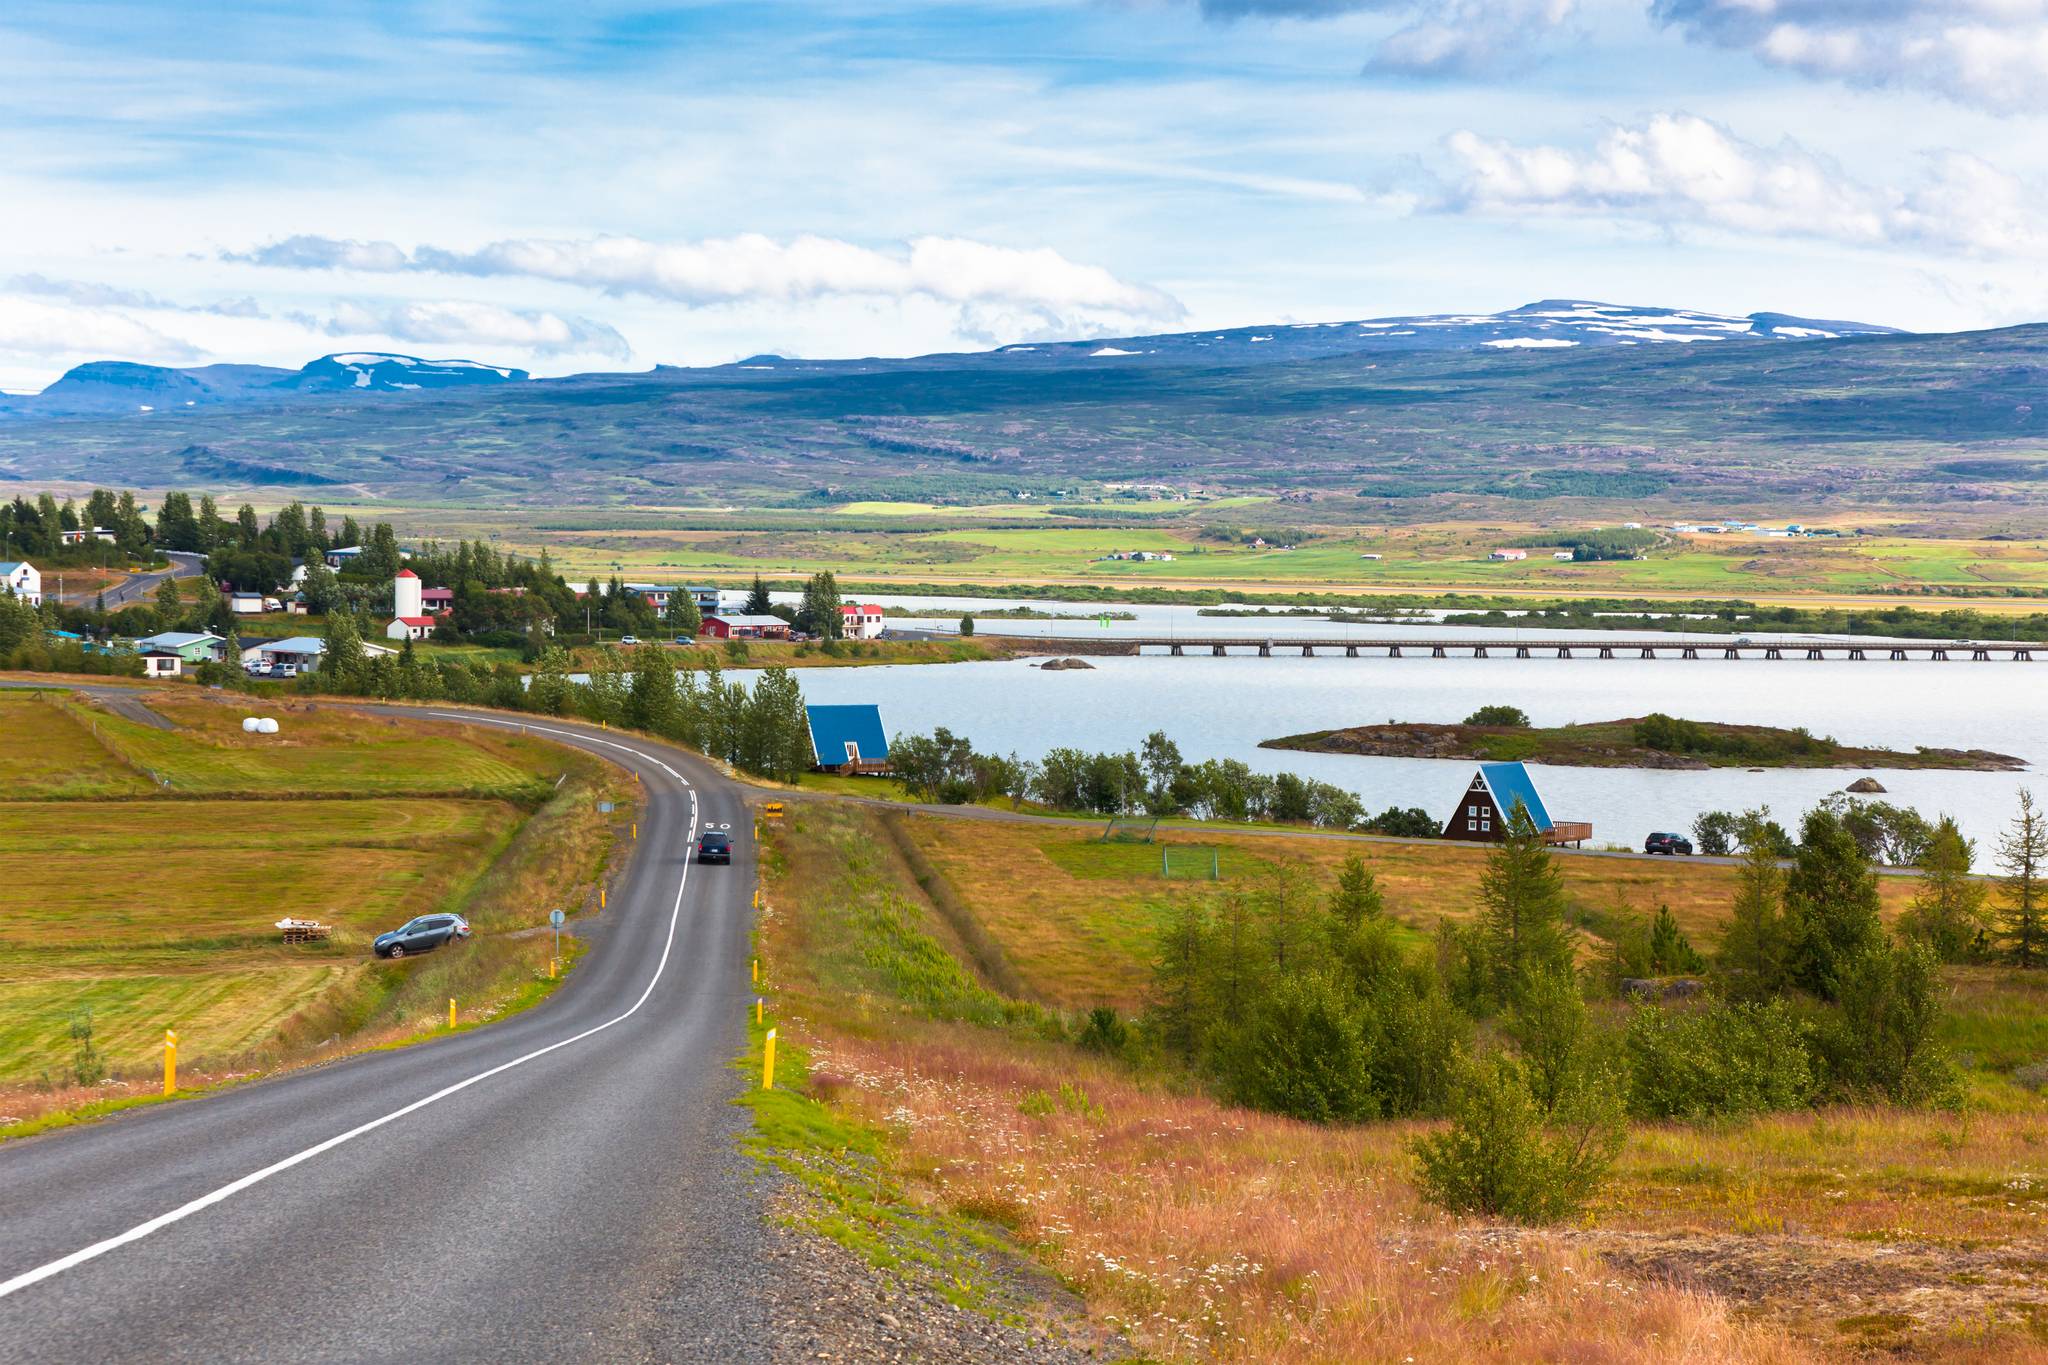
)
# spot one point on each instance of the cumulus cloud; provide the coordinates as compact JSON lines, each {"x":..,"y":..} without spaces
{"x":1678,"y":171}
{"x":41,"y":328}
{"x":1440,"y":37}
{"x":462,"y":322}
{"x":1043,"y":289}
{"x":1992,"y":53}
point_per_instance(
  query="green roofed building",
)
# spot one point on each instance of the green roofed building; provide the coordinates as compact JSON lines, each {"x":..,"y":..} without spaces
{"x":848,"y":739}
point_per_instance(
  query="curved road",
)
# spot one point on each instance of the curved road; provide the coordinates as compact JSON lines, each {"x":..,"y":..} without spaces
{"x":141,"y":587}
{"x":562,"y":1185}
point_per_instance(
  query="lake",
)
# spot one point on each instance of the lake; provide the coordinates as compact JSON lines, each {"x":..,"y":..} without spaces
{"x":1222,"y":708}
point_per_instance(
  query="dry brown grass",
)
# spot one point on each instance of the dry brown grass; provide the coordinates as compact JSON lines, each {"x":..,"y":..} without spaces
{"x":1205,"y":1232}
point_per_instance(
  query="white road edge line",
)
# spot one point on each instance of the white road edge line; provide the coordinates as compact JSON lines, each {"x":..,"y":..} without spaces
{"x":232,"y":1188}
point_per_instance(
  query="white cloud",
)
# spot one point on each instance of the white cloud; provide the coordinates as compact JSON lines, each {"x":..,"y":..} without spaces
{"x":469,"y":323}
{"x":1439,"y":37}
{"x":40,"y":329}
{"x":1680,"y":171}
{"x":1992,"y":53}
{"x":1040,"y":290}
{"x":113,"y":296}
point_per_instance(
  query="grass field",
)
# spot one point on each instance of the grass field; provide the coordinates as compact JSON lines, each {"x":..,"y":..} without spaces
{"x":1202,"y":1232}
{"x":1078,"y":918}
{"x":146,"y":907}
{"x":957,"y":545}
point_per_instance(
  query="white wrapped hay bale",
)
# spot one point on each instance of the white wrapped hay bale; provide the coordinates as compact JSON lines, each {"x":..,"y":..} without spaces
{"x":249,"y":724}
{"x":266,"y":726}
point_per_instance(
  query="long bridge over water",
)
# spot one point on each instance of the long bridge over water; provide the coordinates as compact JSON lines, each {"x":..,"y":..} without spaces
{"x":2017,"y":651}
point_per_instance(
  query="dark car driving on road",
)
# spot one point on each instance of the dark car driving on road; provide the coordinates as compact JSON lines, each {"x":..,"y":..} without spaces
{"x":1670,"y":844}
{"x":417,"y":936}
{"x":714,"y":847}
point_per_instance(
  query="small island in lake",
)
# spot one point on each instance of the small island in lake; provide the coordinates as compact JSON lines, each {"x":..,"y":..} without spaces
{"x":1652,"y":741}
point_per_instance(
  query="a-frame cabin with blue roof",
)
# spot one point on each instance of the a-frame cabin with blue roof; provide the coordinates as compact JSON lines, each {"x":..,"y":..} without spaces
{"x":848,"y":739}
{"x":1489,"y":802}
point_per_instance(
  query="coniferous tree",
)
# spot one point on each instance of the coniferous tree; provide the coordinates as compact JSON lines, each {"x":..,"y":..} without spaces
{"x":2023,"y":914}
{"x":1521,"y":928}
{"x":1357,"y":897}
{"x":1947,"y":913}
{"x":1831,"y":904}
{"x":176,"y":526}
{"x":758,"y":601}
{"x":1755,"y":945}
{"x":683,"y":616}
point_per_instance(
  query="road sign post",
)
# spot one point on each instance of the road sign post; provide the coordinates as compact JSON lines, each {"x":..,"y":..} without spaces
{"x":555,"y":918}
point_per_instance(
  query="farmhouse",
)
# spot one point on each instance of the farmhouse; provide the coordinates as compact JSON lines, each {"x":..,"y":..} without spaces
{"x":860,"y":620}
{"x":82,"y":535}
{"x":741,"y":626}
{"x":848,"y":739}
{"x":1489,"y":803}
{"x":705,"y":596}
{"x":343,"y":557}
{"x":193,"y":648}
{"x":1500,"y":556}
{"x":162,"y":663}
{"x":23,"y":579}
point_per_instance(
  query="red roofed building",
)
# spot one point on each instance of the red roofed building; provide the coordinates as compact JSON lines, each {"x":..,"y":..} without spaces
{"x":860,"y":620}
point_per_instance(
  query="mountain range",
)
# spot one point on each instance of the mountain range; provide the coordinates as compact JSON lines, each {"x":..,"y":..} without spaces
{"x":1391,"y":417}
{"x":114,"y":386}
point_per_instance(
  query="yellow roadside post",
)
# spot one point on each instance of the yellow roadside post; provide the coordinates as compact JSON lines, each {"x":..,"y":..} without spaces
{"x":757,"y":971}
{"x":757,"y":1009}
{"x":551,"y":968}
{"x":636,"y":831}
{"x":600,"y":896}
{"x":170,"y":1062}
{"x":768,"y":1061}
{"x":451,"y":1011}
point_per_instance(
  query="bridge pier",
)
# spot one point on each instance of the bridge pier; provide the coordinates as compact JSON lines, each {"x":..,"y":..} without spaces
{"x":1857,"y":654}
{"x":1521,"y":651}
{"x":1607,"y":651}
{"x":1265,"y":649}
{"x":1731,"y":653}
{"x":1898,"y":654}
{"x":1648,"y":653}
{"x":1308,"y":651}
{"x":1437,"y":652}
{"x":2023,"y":655}
{"x":1351,"y":651}
{"x":1815,"y":653}
{"x":1689,"y":652}
{"x":1173,"y":650}
{"x":1219,"y":650}
{"x":1937,"y":654}
{"x":1479,"y":651}
{"x":1393,"y":651}
{"x":1981,"y":653}
{"x":1564,"y":651}
{"x":1773,"y":652}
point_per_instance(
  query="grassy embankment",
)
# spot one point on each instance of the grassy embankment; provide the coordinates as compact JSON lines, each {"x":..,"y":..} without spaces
{"x":1620,"y":744}
{"x":915,"y":964}
{"x":145,"y":869}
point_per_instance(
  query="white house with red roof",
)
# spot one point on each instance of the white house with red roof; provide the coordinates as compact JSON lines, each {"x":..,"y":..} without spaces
{"x":409,"y":619}
{"x":860,"y":620}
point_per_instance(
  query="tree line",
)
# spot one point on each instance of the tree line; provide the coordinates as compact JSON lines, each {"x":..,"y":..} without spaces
{"x":1153,"y":779}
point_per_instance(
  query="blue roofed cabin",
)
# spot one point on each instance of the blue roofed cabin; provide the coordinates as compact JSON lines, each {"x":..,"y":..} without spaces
{"x":1489,"y":802}
{"x":848,"y":739}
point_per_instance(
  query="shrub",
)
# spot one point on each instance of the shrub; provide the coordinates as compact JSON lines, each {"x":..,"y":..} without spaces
{"x":1499,"y":714}
{"x":1720,"y":1060}
{"x":1104,"y":1032}
{"x":1301,"y":1052}
{"x":1500,"y":1158}
{"x":1410,"y":823}
{"x":1879,"y":1040}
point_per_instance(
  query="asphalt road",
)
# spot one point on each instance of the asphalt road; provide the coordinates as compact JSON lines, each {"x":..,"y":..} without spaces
{"x":562,"y":1185}
{"x":142,"y":587}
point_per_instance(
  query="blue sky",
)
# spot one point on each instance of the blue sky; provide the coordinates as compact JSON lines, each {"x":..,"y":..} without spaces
{"x":600,"y":185}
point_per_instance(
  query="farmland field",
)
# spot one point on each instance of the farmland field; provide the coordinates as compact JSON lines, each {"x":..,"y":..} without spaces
{"x":135,"y":905}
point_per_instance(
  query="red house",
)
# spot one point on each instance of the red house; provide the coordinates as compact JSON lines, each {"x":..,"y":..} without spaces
{"x":740,"y":626}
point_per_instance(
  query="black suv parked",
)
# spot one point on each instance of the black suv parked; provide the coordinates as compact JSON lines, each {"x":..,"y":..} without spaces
{"x":1671,"y":844}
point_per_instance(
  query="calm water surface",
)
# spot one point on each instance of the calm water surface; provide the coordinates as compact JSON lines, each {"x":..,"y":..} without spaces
{"x":1222,"y":708}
